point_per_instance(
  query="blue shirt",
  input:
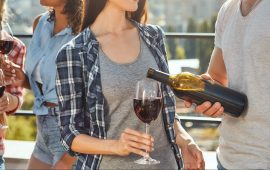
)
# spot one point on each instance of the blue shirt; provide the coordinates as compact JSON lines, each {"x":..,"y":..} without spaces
{"x":44,"y":45}
{"x":81,"y":102}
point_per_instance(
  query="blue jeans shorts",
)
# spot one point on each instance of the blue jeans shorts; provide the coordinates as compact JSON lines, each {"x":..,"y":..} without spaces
{"x":48,"y":148}
{"x":219,"y":166}
{"x":2,"y":163}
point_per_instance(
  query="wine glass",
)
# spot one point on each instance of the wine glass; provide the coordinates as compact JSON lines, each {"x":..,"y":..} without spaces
{"x":6,"y":46}
{"x":147,"y":105}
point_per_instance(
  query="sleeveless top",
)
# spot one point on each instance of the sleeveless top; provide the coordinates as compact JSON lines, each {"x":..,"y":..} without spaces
{"x":44,"y":48}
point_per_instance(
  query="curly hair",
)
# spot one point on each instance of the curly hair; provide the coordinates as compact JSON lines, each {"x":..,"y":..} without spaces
{"x":73,"y":10}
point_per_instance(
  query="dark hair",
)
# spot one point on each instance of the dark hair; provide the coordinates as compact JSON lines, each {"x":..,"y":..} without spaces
{"x":73,"y":10}
{"x":92,"y":8}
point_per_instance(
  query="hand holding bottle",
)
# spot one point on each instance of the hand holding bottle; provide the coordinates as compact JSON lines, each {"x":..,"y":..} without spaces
{"x":197,"y":90}
{"x":206,"y":108}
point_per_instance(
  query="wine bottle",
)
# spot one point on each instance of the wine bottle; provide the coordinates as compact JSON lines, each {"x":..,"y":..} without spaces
{"x":190,"y":87}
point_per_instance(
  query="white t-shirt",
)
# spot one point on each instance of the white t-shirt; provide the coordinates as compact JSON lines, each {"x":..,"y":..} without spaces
{"x":245,"y":44}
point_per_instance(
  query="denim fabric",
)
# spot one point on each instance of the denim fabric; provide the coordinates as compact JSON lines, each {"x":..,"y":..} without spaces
{"x":45,"y":46}
{"x":48,"y":148}
{"x":2,"y":163}
{"x":219,"y":166}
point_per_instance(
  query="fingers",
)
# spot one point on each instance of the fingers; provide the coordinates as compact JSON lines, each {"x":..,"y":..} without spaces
{"x":200,"y":160}
{"x":138,"y":151}
{"x":138,"y":134}
{"x":4,"y":102}
{"x":136,"y":142}
{"x":206,"y":76}
{"x":203,"y":107}
{"x":187,"y":104}
{"x":206,"y":108}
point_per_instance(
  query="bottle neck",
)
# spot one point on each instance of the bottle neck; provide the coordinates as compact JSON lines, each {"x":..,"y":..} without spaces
{"x":158,"y":75}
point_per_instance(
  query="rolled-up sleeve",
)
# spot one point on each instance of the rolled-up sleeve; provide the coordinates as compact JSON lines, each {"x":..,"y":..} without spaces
{"x":70,"y":92}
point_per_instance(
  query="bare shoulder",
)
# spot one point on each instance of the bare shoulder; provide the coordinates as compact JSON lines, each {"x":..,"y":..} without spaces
{"x":35,"y":22}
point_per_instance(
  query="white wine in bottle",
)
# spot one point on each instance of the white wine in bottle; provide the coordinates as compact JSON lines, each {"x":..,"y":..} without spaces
{"x":192,"y":88}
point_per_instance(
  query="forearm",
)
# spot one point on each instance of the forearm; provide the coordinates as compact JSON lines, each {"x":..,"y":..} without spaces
{"x":14,"y":102}
{"x":182,"y":137}
{"x":23,"y":81}
{"x":91,"y":145}
{"x":26,"y":83}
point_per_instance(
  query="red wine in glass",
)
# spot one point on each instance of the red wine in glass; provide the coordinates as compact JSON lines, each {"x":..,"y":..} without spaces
{"x":148,"y":109}
{"x":147,"y":104}
{"x":5,"y":46}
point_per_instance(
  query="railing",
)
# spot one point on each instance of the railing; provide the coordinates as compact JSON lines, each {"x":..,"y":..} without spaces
{"x":168,"y":35}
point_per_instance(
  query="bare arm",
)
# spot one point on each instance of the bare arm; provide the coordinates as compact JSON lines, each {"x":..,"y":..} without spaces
{"x":217,"y":69}
{"x":192,"y":155}
{"x":131,"y":141}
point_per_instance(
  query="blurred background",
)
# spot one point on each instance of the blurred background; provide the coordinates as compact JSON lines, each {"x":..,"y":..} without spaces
{"x":189,"y":26}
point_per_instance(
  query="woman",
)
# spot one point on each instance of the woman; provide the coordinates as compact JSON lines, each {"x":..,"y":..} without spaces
{"x":51,"y":31}
{"x":96,"y":73}
{"x":11,"y":99}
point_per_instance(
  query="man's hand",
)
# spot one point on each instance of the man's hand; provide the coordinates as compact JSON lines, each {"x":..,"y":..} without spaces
{"x":193,"y":157}
{"x":207,"y":108}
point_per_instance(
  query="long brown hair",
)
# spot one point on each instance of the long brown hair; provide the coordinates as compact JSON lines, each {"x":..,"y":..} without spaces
{"x":92,"y":8}
{"x":72,"y":9}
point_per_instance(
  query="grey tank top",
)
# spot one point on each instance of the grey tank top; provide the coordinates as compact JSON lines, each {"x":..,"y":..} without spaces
{"x":118,"y":86}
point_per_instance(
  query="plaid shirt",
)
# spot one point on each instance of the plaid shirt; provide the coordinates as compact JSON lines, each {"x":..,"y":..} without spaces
{"x":81,"y":101}
{"x":16,"y":56}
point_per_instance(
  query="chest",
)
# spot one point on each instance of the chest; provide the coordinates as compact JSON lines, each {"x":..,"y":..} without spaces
{"x":121,"y":49}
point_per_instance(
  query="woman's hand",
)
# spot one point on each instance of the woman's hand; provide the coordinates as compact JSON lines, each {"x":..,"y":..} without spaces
{"x":13,"y":74}
{"x":193,"y":157}
{"x":4,"y":102}
{"x":132,"y":141}
{"x":207,"y":108}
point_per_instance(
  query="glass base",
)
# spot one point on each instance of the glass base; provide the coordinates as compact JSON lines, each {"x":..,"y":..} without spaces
{"x":147,"y":161}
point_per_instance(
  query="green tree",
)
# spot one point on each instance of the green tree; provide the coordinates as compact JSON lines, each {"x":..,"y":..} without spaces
{"x":205,"y":46}
{"x":171,"y":44}
{"x":190,"y":44}
{"x":180,"y":53}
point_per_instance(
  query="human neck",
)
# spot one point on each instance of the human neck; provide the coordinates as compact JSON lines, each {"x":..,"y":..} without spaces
{"x":60,"y":20}
{"x":248,"y":5}
{"x":115,"y":19}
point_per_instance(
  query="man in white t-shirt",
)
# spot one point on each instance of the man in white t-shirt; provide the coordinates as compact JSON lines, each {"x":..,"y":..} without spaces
{"x":241,"y":61}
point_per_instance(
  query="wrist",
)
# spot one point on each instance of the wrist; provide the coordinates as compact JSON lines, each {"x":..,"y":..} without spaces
{"x":183,"y":141}
{"x":111,"y":147}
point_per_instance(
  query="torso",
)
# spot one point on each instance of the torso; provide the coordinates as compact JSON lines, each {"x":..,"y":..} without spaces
{"x":118,"y":87}
{"x":244,"y":141}
{"x":122,"y":48}
{"x":42,"y":51}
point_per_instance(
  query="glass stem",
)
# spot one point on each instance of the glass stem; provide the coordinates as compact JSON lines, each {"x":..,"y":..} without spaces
{"x":146,"y":157}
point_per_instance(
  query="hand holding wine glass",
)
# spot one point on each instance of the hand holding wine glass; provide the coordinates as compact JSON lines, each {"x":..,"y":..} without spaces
{"x":147,"y":106}
{"x":6,"y":45}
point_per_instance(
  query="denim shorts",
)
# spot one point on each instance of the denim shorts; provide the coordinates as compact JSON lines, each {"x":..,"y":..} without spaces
{"x":2,"y":163}
{"x":219,"y":166}
{"x":48,"y":148}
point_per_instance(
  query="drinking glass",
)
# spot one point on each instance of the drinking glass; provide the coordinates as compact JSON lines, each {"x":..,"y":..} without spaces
{"x":6,"y":46}
{"x":147,"y":105}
